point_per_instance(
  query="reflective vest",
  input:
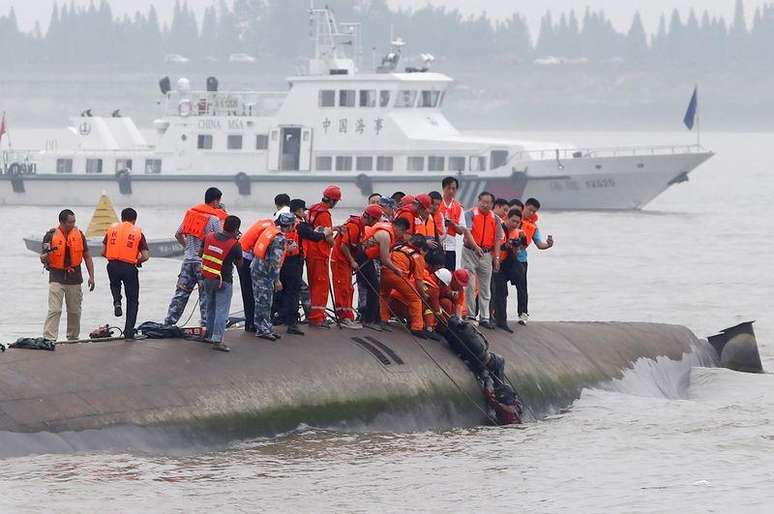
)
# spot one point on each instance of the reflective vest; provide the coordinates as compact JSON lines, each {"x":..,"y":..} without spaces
{"x":432,"y":227}
{"x":483,"y":229}
{"x":197,"y":217}
{"x":319,"y":216}
{"x":248,"y":239}
{"x":353,"y":231}
{"x":410,"y":215}
{"x":59,"y":246}
{"x":370,"y":244}
{"x":264,"y":241}
{"x":452,"y":212}
{"x":123,"y":242}
{"x":214,"y":253}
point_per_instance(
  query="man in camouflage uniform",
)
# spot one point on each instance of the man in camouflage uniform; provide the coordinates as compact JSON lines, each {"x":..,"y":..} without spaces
{"x":265,"y":274}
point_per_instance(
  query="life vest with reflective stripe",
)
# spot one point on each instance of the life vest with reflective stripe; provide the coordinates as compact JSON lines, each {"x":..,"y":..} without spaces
{"x":196,"y":219}
{"x":214,"y":253}
{"x":248,"y":239}
{"x":59,"y":246}
{"x":483,"y":229}
{"x":319,"y":216}
{"x":123,"y":242}
{"x":451,"y":212}
{"x":370,"y":244}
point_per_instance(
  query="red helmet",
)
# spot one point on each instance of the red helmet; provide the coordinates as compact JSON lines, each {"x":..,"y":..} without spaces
{"x":407,"y":200}
{"x":425,"y":201}
{"x":332,"y":193}
{"x":374,"y":211}
{"x":461,"y":276}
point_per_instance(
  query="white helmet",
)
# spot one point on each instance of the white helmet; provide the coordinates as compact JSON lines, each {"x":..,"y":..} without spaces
{"x":444,"y":276}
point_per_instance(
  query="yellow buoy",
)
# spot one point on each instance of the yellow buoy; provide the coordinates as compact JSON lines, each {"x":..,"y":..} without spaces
{"x":104,"y":216}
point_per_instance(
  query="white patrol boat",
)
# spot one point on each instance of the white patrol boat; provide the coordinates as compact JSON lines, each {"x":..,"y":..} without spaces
{"x":378,"y":131}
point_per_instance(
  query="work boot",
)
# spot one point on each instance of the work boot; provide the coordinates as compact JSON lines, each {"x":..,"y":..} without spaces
{"x":351,"y":324}
{"x":294,"y":330}
{"x":421,"y":334}
{"x":523,"y":318}
{"x":117,"y":310}
{"x":221,"y":347}
{"x":435,"y":336}
{"x":486,"y":324}
{"x":505,"y":327}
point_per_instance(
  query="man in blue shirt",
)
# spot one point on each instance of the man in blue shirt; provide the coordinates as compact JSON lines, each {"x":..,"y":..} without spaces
{"x":519,"y":273}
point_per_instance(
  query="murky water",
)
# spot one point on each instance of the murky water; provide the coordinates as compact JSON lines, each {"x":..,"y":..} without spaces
{"x":700,"y":255}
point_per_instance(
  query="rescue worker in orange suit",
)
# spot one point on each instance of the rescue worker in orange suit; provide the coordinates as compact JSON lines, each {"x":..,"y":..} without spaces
{"x":318,"y":256}
{"x":403,"y":292}
{"x":431,"y":225}
{"x":247,"y":242}
{"x":64,"y":249}
{"x":220,"y":252}
{"x":377,"y":245}
{"x":409,"y":211}
{"x":368,"y":272}
{"x":451,"y":212}
{"x":125,"y":249}
{"x":199,"y":221}
{"x":432,"y":305}
{"x":343,"y":263}
{"x":515,"y":240}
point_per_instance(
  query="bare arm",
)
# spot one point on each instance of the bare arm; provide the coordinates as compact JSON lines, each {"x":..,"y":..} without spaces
{"x":144,"y":256}
{"x":384,"y":252}
{"x":90,"y":268}
{"x":545,"y":245}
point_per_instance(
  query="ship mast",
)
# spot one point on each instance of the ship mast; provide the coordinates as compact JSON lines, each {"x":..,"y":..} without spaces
{"x":331,"y":40}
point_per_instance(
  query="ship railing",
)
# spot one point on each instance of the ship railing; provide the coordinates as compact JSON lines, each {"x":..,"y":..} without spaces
{"x":224,"y":103}
{"x":592,"y":153}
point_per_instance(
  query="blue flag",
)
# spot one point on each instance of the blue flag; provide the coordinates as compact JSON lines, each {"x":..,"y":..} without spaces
{"x":690,"y":113}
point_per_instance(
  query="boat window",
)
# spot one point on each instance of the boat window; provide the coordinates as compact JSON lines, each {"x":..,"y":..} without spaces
{"x":93,"y":165}
{"x":64,"y":165}
{"x":204,"y":142}
{"x":347,"y":98}
{"x":383,"y":163}
{"x":384,"y":98}
{"x":456,"y":164}
{"x":364,"y":163}
{"x":153,"y":166}
{"x":327,"y":98}
{"x":415,"y":164}
{"x":498,"y":158}
{"x":406,"y":98}
{"x":234,"y":142}
{"x":429,"y":99}
{"x":477,"y":163}
{"x":261,"y":142}
{"x":123,"y":165}
{"x":435,"y":163}
{"x":367,"y":98}
{"x":323,"y":163}
{"x":343,"y":163}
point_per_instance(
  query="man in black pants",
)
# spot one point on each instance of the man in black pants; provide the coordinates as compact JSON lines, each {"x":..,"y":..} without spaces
{"x":125,"y":249}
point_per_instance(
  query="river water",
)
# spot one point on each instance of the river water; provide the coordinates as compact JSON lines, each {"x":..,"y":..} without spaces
{"x":667,"y":437}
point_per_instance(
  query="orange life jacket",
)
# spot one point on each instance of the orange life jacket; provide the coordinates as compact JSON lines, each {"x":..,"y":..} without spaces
{"x":510,"y":236}
{"x":483,"y":229}
{"x":432,"y":227}
{"x":451,"y":212}
{"x":123,"y":242}
{"x":60,"y":244}
{"x":408,"y":259}
{"x":214,"y":252}
{"x":292,"y":237}
{"x":351,"y":234}
{"x":319,"y":216}
{"x":408,"y":213}
{"x":197,"y":217}
{"x":264,"y":241}
{"x":248,"y":239}
{"x":371,"y":245}
{"x":529,"y":230}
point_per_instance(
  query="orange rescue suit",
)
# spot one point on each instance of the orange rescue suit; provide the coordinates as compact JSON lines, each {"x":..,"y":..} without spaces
{"x":409,"y":214}
{"x":408,"y":260}
{"x":197,"y":217}
{"x":317,"y":264}
{"x":350,"y":234}
{"x":123,"y":242}
{"x":60,"y":244}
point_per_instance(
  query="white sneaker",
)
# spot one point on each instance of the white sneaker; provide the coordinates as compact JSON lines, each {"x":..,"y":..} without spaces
{"x":523,"y":318}
{"x":348,"y":323}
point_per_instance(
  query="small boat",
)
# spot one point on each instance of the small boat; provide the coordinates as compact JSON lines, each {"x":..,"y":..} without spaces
{"x":104,"y":216}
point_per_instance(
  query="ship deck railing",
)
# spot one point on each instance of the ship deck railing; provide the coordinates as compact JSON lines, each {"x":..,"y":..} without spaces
{"x":225,"y":103}
{"x":592,"y":153}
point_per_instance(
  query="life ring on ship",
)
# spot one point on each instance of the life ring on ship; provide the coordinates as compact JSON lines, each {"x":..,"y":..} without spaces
{"x":184,"y":108}
{"x":365,"y":184}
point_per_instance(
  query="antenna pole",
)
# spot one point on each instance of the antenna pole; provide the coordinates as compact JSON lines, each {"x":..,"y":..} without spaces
{"x":698,"y":119}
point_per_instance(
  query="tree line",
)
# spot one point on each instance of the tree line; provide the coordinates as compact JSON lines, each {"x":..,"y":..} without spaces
{"x":279,"y":30}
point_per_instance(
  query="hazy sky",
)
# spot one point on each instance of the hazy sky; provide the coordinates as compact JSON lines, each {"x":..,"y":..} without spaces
{"x":620,"y":11}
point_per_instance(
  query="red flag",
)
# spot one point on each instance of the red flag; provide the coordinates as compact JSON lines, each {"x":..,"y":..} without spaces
{"x":2,"y":127}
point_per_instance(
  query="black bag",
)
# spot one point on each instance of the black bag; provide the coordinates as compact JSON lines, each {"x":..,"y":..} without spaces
{"x":34,"y":343}
{"x":153,"y":330}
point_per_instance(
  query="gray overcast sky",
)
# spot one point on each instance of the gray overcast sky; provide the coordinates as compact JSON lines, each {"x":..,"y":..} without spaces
{"x":620,"y":11}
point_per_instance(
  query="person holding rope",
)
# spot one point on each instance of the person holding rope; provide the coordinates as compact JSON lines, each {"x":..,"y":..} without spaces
{"x":404,"y":291}
{"x":318,"y":256}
